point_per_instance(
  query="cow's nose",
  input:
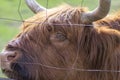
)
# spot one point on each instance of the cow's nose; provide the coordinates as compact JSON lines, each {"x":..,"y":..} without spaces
{"x":8,"y":56}
{"x":11,"y":56}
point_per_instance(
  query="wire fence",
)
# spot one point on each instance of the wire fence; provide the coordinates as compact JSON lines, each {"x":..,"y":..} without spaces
{"x":21,"y":20}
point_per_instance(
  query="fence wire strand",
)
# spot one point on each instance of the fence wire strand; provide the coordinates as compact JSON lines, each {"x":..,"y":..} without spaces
{"x":53,"y":67}
{"x":66,"y":69}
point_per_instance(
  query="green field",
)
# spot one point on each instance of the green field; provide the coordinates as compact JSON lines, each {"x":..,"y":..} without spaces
{"x":17,"y":10}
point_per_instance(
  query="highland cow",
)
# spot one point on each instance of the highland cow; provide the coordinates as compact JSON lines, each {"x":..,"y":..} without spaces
{"x":68,"y":43}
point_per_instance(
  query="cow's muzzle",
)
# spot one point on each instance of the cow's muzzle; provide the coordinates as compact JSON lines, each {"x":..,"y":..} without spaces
{"x":6,"y":58}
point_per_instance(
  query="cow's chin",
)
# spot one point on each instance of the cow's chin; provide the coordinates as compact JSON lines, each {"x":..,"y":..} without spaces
{"x":17,"y":72}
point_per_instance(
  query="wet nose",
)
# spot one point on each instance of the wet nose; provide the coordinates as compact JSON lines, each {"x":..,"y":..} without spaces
{"x":8,"y":56}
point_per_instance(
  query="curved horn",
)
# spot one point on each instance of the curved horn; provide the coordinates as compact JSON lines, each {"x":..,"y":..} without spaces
{"x":34,"y":6}
{"x":100,"y":12}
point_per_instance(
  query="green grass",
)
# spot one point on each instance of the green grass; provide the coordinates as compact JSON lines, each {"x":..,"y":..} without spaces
{"x":6,"y":33}
{"x":9,"y":9}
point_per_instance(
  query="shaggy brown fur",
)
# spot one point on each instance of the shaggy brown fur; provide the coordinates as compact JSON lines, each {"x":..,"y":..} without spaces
{"x":53,"y":47}
{"x":112,"y":21}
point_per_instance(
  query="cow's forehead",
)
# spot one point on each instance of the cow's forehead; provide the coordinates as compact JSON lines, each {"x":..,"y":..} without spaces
{"x":57,"y":14}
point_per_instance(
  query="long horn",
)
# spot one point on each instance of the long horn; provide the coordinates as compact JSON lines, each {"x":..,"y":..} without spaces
{"x":34,"y":6}
{"x":100,"y":12}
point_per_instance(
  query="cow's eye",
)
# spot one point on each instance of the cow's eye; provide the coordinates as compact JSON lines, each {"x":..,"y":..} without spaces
{"x":61,"y":36}
{"x":58,"y":37}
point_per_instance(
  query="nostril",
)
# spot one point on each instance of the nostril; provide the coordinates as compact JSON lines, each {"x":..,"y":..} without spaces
{"x":11,"y":57}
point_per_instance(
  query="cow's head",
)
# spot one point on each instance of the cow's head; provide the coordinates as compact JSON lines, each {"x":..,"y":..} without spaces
{"x":47,"y":46}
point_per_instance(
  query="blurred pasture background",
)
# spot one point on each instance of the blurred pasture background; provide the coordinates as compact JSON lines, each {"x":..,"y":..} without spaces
{"x":12,"y":12}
